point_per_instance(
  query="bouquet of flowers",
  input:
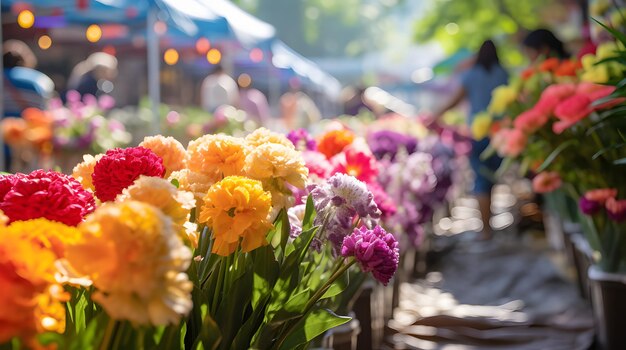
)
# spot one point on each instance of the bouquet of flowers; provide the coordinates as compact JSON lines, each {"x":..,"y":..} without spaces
{"x":158,"y":246}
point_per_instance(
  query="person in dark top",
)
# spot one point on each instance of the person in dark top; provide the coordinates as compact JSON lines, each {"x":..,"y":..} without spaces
{"x":543,"y":43}
{"x":477,"y":83}
{"x":93,"y":76}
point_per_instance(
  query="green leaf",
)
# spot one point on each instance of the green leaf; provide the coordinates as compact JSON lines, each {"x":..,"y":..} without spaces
{"x":337,"y":287}
{"x":266,"y":271}
{"x":309,"y":214}
{"x":91,"y":336}
{"x":313,"y":324}
{"x":552,"y":156}
{"x":617,"y":34}
{"x":488,"y":152}
{"x":285,"y":229}
{"x":234,"y":303}
{"x":175,"y":183}
{"x":293,"y":308}
{"x":210,"y":334}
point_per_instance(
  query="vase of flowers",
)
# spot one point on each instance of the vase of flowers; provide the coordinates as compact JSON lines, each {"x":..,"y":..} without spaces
{"x":608,"y":290}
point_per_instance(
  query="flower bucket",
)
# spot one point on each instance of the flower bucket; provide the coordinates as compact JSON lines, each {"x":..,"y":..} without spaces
{"x":571,"y":229}
{"x":583,"y":260}
{"x":344,"y":337}
{"x":609,"y":307}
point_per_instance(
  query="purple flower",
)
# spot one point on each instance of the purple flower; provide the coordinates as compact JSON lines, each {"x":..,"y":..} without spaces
{"x":296,"y":215}
{"x":106,"y":102}
{"x":302,"y":140}
{"x":338,"y":202}
{"x":589,"y":207}
{"x":383,"y":201}
{"x":387,"y":143}
{"x":375,"y":250}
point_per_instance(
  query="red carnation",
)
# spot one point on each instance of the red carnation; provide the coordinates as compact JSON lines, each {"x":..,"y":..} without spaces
{"x":45,"y":194}
{"x":119,"y":168}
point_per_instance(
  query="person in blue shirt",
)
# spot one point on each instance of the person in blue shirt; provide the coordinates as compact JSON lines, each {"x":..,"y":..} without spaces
{"x":477,"y":83}
{"x":23,"y":86}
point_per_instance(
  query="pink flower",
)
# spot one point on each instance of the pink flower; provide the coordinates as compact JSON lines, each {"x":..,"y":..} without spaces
{"x":546,"y":181}
{"x":317,"y":163}
{"x":383,"y":201}
{"x":515,"y":143}
{"x":119,"y":168}
{"x":597,"y":91}
{"x":552,"y":96}
{"x":616,"y":209}
{"x":601,"y":195}
{"x":46,"y":194}
{"x":356,"y":163}
{"x":531,"y":120}
{"x":570,"y":111}
{"x":375,"y":250}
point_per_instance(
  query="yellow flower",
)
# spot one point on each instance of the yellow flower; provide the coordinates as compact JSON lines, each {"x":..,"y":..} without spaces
{"x":30,"y":298}
{"x":196,"y":183}
{"x":599,"y":7}
{"x":606,"y":50}
{"x":83,"y":171}
{"x":264,"y":136}
{"x":237,"y":207}
{"x":136,"y":261}
{"x":480,"y":126}
{"x":161,"y":194}
{"x":217,"y":156}
{"x":276,"y":166}
{"x":169,"y":149}
{"x":501,"y":98}
{"x":50,"y":235}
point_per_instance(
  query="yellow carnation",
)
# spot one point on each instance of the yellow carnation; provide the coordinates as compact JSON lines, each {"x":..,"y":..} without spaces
{"x":51,"y":235}
{"x":30,"y":299}
{"x":264,"y":136}
{"x":136,"y":261}
{"x":161,"y":194}
{"x":169,"y":149}
{"x":480,"y":126}
{"x":196,"y":183}
{"x":217,"y":156}
{"x":501,"y":98}
{"x":83,"y":171}
{"x":237,"y":207}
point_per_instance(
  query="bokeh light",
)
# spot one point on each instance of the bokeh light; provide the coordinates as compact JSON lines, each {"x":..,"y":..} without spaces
{"x":244,"y":80}
{"x":170,"y":56}
{"x":26,"y":19}
{"x":452,"y":28}
{"x":160,"y":27}
{"x":214,"y":56}
{"x":203,"y":45}
{"x":256,"y":55}
{"x":93,"y":33}
{"x":44,"y":42}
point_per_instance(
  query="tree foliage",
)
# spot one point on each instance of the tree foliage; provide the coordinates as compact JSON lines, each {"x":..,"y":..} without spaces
{"x":467,"y":23}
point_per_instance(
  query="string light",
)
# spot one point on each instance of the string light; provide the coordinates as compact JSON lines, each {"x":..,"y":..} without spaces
{"x":256,"y":55}
{"x":160,"y":27}
{"x":214,"y":56}
{"x":203,"y":45}
{"x":244,"y":80}
{"x":93,"y":33}
{"x":26,"y":19}
{"x":170,"y":56}
{"x":44,"y":42}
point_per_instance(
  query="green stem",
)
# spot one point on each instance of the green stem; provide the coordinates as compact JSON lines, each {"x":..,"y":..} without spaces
{"x":108,"y":334}
{"x":218,"y":290}
{"x":314,"y":299}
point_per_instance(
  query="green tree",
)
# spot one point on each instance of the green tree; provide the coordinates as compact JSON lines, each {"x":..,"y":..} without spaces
{"x":467,"y":23}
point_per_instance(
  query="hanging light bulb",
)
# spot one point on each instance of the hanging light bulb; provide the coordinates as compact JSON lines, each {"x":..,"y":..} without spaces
{"x":26,"y":19}
{"x":93,"y":33}
{"x":170,"y":56}
{"x":214,"y":56}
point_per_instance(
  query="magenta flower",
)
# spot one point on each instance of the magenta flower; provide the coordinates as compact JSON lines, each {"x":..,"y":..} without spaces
{"x":302,"y":140}
{"x":375,"y":250}
{"x":616,"y":209}
{"x":589,"y":207}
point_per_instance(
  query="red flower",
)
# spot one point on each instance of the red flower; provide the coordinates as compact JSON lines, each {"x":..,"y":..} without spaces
{"x":552,"y":96}
{"x":528,"y":73}
{"x":530,"y":121}
{"x":356,"y":163}
{"x":546,"y":181}
{"x":45,"y":194}
{"x":549,"y":64}
{"x":119,"y":168}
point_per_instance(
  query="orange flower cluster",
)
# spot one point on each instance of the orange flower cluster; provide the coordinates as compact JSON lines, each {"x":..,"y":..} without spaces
{"x":334,"y":141}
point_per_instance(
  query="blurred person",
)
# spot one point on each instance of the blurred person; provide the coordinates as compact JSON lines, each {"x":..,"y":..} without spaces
{"x":354,"y":101}
{"x":91,"y":75}
{"x":542,"y":43}
{"x":297,"y":109}
{"x":255,"y":104}
{"x":477,"y":83}
{"x":218,"y":89}
{"x":23,"y":86}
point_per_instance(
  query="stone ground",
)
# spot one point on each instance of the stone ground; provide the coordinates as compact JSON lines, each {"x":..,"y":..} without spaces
{"x":515,"y":292}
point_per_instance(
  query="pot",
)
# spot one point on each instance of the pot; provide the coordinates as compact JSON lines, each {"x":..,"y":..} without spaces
{"x":609,"y":307}
{"x":344,"y":337}
{"x":583,"y":260}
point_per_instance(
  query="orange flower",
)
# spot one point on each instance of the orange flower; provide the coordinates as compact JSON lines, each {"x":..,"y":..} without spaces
{"x":217,"y":156}
{"x":264,"y":136}
{"x":13,"y":131}
{"x":549,"y":64}
{"x":568,"y":68}
{"x":82,"y":171}
{"x":237,"y":207}
{"x":601,"y":195}
{"x":528,"y":73}
{"x":169,"y":149}
{"x":30,"y":298}
{"x":334,"y":141}
{"x":50,"y":235}
{"x":546,"y":181}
